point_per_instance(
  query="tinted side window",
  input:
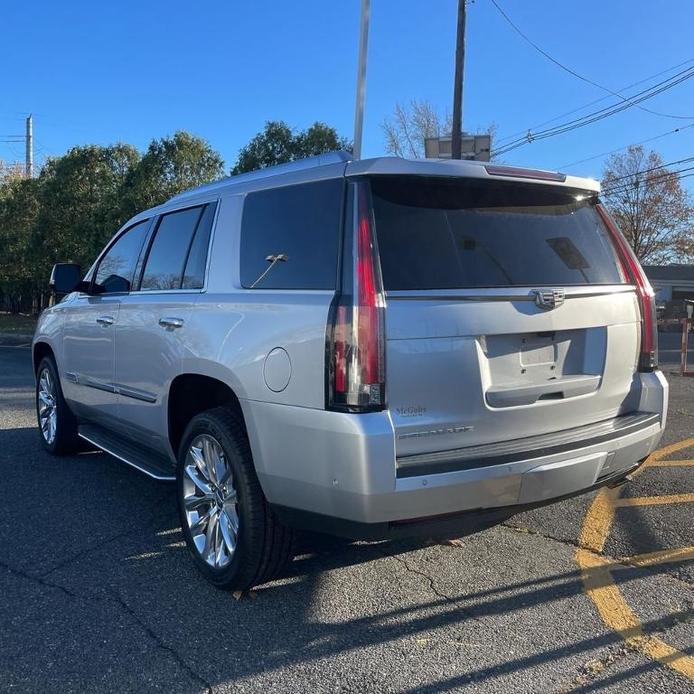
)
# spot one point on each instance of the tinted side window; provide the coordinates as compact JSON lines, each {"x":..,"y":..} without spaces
{"x":299,"y":222}
{"x":115,"y":271}
{"x":194,"y":275}
{"x":169,"y":250}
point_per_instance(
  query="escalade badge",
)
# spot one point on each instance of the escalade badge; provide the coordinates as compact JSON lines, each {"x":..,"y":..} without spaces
{"x":548,"y":299}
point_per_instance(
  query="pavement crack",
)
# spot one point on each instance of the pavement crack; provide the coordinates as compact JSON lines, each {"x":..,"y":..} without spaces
{"x":88,"y":550}
{"x":528,"y":531}
{"x":617,"y":563}
{"x":192,"y":673}
{"x":118,"y":536}
{"x":425,"y":576}
{"x":40,"y":580}
{"x":118,"y":600}
{"x":434,"y":589}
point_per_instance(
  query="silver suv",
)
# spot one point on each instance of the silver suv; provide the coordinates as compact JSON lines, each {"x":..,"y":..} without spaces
{"x":365,"y":348}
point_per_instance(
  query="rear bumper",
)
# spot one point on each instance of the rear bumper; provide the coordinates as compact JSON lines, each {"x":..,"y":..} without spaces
{"x":447,"y":525}
{"x":342,"y":466}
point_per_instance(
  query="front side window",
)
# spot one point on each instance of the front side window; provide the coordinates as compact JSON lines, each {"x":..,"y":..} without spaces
{"x":290,"y":236}
{"x":168,"y":253}
{"x":117,"y":267}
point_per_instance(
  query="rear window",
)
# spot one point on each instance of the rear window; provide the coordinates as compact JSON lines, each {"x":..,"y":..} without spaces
{"x":450,"y":234}
{"x":299,"y":224}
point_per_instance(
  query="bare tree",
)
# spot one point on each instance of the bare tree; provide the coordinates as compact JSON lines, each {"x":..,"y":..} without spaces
{"x":11,"y":170}
{"x":406,"y":130}
{"x":410,"y":124}
{"x":650,"y":206}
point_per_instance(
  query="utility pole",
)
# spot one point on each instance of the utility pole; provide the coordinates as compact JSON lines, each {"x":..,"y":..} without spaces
{"x":361,"y":78}
{"x":456,"y":135}
{"x":29,"y":157}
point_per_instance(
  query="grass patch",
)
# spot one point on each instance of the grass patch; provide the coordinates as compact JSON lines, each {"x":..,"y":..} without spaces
{"x":17,"y":323}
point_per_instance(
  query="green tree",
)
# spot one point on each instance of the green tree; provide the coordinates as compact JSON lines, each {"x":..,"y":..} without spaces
{"x":277,"y":143}
{"x":79,"y":200}
{"x":169,"y":166}
{"x":22,"y":250}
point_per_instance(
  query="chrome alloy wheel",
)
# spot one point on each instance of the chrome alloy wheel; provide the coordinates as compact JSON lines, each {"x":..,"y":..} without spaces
{"x":210,"y":501}
{"x":47,"y":406}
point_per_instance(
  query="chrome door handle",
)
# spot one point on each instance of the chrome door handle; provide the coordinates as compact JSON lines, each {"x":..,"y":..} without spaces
{"x":105,"y":320}
{"x":171,"y":322}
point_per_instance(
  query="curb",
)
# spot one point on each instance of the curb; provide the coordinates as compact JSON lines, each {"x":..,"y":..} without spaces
{"x":15,"y":339}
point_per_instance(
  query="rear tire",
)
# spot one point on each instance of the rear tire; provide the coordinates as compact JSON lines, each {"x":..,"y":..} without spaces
{"x":57,"y":424}
{"x":231,"y":532}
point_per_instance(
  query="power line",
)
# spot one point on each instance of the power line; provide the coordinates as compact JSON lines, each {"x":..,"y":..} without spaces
{"x":583,"y":78}
{"x":621,"y":188}
{"x":576,"y":123}
{"x":652,"y":168}
{"x":596,"y":101}
{"x":631,"y":144}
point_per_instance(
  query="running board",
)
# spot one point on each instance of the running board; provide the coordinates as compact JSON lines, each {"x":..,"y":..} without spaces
{"x":151,"y":463}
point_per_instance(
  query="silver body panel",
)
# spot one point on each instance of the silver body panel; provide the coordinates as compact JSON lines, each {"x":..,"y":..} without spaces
{"x":450,"y":380}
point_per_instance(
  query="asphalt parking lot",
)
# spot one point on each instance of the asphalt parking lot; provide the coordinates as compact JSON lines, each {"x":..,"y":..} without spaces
{"x":97,"y":592}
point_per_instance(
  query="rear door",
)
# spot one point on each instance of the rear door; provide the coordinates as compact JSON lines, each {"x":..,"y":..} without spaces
{"x":154,"y":321}
{"x":507,"y":312}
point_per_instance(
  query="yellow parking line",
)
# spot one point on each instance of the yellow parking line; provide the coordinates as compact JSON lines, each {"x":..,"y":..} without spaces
{"x":619,"y":617}
{"x":671,"y":463}
{"x":672,"y":448}
{"x":596,"y":570}
{"x":598,"y":520}
{"x":655,"y":500}
{"x":663,"y":556}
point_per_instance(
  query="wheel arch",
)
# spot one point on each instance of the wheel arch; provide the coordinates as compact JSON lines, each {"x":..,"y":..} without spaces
{"x":40,"y":350}
{"x":192,"y":393}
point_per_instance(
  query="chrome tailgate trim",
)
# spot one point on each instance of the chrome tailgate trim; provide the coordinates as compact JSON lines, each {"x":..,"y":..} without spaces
{"x":522,"y":449}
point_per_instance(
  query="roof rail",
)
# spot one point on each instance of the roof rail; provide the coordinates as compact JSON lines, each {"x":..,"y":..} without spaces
{"x":298,"y":165}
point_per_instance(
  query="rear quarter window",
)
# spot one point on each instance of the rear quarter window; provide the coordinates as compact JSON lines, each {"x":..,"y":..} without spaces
{"x":301,"y":223}
{"x":449,"y":234}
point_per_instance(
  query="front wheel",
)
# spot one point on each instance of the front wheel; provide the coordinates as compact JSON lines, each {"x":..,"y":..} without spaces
{"x":234,"y":537}
{"x":57,"y":424}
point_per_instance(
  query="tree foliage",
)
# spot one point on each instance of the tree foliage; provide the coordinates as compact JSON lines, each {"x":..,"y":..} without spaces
{"x":20,"y":244}
{"x":79,"y":200}
{"x":169,"y":166}
{"x":650,"y":206}
{"x":277,"y":143}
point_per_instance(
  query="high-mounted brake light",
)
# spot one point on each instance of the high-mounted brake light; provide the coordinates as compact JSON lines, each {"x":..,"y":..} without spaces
{"x":355,"y":339}
{"x":633,"y":272}
{"x":515,"y":172}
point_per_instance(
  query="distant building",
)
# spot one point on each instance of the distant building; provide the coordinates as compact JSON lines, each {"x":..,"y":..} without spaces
{"x":671,"y":282}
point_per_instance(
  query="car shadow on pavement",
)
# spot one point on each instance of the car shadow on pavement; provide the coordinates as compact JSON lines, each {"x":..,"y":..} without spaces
{"x":107,"y":536}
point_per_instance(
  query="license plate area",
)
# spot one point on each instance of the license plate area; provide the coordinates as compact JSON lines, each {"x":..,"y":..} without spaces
{"x":538,"y":350}
{"x":525,"y":359}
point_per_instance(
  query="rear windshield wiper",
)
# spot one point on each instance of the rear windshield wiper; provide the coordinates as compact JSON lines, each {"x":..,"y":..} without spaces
{"x":273,"y":260}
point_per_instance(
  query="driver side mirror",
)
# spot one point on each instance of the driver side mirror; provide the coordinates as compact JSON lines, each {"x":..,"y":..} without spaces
{"x":66,"y":278}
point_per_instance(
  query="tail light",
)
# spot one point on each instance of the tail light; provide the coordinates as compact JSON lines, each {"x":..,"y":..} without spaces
{"x":633,"y":272}
{"x":355,"y":336}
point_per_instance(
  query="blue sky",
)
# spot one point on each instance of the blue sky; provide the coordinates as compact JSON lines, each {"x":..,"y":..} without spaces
{"x":131,"y":71}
